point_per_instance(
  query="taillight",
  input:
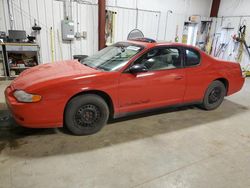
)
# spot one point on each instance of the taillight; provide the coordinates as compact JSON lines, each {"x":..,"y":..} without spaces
{"x":244,"y":74}
{"x":242,"y":71}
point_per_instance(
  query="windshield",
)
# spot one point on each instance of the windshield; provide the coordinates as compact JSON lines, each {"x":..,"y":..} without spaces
{"x":112,"y":58}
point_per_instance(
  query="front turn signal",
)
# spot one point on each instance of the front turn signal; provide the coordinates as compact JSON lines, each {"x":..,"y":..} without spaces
{"x":36,"y":98}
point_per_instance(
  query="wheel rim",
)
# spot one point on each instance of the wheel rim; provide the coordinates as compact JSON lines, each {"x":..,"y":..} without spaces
{"x":215,"y":95}
{"x":87,"y":115}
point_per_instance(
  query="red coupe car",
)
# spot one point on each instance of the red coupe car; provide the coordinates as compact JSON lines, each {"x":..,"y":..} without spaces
{"x":127,"y":77}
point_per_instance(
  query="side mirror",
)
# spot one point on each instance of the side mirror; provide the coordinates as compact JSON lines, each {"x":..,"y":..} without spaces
{"x":137,"y":68}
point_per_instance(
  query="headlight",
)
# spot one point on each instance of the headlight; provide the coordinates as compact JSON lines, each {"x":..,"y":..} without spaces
{"x":22,"y":96}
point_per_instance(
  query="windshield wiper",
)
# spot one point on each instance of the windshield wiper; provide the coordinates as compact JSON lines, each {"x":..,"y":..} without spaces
{"x":87,"y":65}
{"x":97,"y":68}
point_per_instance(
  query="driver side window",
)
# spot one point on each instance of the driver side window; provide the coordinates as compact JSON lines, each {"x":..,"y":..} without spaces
{"x":161,"y":59}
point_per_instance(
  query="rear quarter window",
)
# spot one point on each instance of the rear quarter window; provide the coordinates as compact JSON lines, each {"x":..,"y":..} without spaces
{"x":192,"y":57}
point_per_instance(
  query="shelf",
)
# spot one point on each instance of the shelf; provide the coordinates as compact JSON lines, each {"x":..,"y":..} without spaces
{"x":29,"y":52}
{"x":14,"y":76}
{"x":12,"y":49}
{"x":19,"y":44}
{"x":17,"y":68}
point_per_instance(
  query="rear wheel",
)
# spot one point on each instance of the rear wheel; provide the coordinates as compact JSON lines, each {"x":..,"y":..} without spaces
{"x":86,"y":114}
{"x":214,"y":95}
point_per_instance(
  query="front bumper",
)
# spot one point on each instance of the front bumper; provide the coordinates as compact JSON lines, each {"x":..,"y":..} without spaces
{"x":32,"y":115}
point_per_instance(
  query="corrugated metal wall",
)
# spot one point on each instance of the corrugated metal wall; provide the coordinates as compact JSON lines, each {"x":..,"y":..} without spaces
{"x":148,"y":22}
{"x":49,"y":13}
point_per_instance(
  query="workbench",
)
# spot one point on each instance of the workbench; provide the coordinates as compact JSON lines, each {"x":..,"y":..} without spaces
{"x":17,"y":57}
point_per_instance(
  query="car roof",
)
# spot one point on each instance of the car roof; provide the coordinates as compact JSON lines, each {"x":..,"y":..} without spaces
{"x":161,"y":43}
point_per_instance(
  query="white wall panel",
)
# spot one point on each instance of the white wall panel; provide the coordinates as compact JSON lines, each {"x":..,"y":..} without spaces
{"x":49,"y":14}
{"x":26,"y":21}
{"x":199,"y":7}
{"x":125,"y":21}
{"x":75,"y":14}
{"x":92,"y":29}
{"x":148,"y":23}
{"x":187,"y":7}
{"x":59,"y":55}
{"x":174,"y":21}
{"x":43,"y":37}
{"x":17,"y":15}
{"x":125,"y":3}
{"x":2,"y":16}
{"x":234,"y":8}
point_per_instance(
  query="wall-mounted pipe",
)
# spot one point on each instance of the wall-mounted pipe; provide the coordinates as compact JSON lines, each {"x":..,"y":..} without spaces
{"x":67,"y":9}
{"x":101,"y":23}
{"x":137,"y":14}
{"x":166,"y":25}
{"x":128,"y":8}
{"x":215,"y":8}
{"x":10,"y":15}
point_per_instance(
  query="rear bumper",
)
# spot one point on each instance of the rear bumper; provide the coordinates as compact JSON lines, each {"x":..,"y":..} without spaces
{"x":235,"y":85}
{"x":32,"y":115}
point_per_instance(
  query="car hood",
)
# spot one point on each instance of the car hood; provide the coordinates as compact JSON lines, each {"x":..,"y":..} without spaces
{"x":51,"y":71}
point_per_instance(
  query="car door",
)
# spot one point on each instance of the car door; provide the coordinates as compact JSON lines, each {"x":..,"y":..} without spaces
{"x":163,"y":84}
{"x":197,"y":75}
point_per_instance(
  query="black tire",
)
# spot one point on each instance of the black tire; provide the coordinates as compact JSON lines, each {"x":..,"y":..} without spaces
{"x":86,"y":114}
{"x":214,"y":95}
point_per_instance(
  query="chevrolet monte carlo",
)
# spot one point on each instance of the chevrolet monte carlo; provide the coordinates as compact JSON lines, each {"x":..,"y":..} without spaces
{"x":127,"y":77}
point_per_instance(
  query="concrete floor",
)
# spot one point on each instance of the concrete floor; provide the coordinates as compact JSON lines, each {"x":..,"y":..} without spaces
{"x":184,"y":147}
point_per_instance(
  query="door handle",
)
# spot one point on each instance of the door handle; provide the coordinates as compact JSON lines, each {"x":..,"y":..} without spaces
{"x":178,"y":77}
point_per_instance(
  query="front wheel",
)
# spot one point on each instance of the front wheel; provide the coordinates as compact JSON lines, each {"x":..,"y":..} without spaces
{"x":86,"y":114}
{"x":214,"y":95}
